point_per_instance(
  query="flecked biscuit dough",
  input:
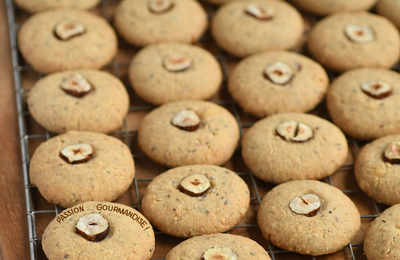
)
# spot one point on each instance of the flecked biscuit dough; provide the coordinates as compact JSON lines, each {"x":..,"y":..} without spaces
{"x":181,"y":215}
{"x":273,"y":159}
{"x":213,"y":143}
{"x":333,"y":6}
{"x":194,"y":248}
{"x":359,"y":115}
{"x":130,"y":235}
{"x":185,"y":22}
{"x":390,"y":9}
{"x":334,"y":225}
{"x":101,"y":110}
{"x":376,"y":177}
{"x":260,"y":96}
{"x":155,"y":84}
{"x":242,"y":34}
{"x":40,"y":5}
{"x":46,"y":53}
{"x":381,"y":240}
{"x":331,"y":47}
{"x":219,"y":2}
{"x":107,"y":175}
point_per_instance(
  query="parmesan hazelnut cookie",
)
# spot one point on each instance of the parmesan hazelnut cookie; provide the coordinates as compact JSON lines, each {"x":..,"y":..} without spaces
{"x":293,"y":146}
{"x":218,"y":246}
{"x":308,"y":217}
{"x":377,"y":169}
{"x":85,"y":100}
{"x":381,"y":240}
{"x":40,"y":5}
{"x":99,"y":230}
{"x":333,"y":6}
{"x":189,"y":132}
{"x":277,"y":82}
{"x":390,"y":9}
{"x":365,"y":103}
{"x":218,"y":2}
{"x":194,"y":200}
{"x":81,"y":166}
{"x":168,"y":72}
{"x":143,"y":22}
{"x":349,"y":40}
{"x":247,"y":27}
{"x":64,"y":39}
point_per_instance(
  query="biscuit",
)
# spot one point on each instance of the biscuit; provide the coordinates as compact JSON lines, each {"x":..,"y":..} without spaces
{"x":40,"y":5}
{"x":375,"y":175}
{"x":183,"y":21}
{"x":390,"y":9}
{"x":304,"y":83}
{"x":242,"y":34}
{"x":334,"y":225}
{"x":195,"y":247}
{"x":275,"y":159}
{"x":349,"y":40}
{"x":103,"y":177}
{"x":360,"y":115}
{"x":221,"y":207}
{"x":158,"y":83}
{"x":91,"y":48}
{"x":334,"y":6}
{"x":218,"y":2}
{"x":130,"y":235}
{"x":101,"y":110}
{"x":214,"y":142}
{"x":380,"y":242}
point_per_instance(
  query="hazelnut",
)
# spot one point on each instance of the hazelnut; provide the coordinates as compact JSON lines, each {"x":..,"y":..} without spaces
{"x":260,"y":12}
{"x":93,"y":227}
{"x":65,"y":30}
{"x":279,"y":73}
{"x":294,"y":131}
{"x":176,"y":62}
{"x":76,"y":85}
{"x":220,"y":253}
{"x":307,"y":205}
{"x":186,"y":120}
{"x":359,"y":34}
{"x":376,"y":88}
{"x":392,"y":153}
{"x":160,"y":6}
{"x":195,"y":184}
{"x":78,"y":153}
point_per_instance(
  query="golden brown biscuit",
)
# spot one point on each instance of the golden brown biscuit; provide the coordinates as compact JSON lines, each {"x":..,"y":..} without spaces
{"x":242,"y":33}
{"x":180,"y":21}
{"x":129,"y":236}
{"x":212,"y":140}
{"x":103,"y":174}
{"x":349,"y":40}
{"x":40,"y":5}
{"x":197,"y":199}
{"x":92,"y":42}
{"x":377,"y":173}
{"x":316,"y":149}
{"x":166,"y":72}
{"x":102,"y":109}
{"x":285,"y":217}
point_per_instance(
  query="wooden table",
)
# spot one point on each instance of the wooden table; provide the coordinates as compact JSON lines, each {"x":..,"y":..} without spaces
{"x":14,"y":242}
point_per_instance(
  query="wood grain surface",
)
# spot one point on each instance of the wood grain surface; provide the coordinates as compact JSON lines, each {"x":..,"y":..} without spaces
{"x":14,"y":242}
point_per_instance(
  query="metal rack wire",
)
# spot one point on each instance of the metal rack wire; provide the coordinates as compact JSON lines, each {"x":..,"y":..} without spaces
{"x":128,"y":135}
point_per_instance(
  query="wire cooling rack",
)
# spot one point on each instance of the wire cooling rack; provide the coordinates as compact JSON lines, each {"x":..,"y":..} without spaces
{"x":40,"y":213}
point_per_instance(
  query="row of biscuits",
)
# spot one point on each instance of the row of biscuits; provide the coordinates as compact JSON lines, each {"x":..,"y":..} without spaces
{"x":212,"y":120}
